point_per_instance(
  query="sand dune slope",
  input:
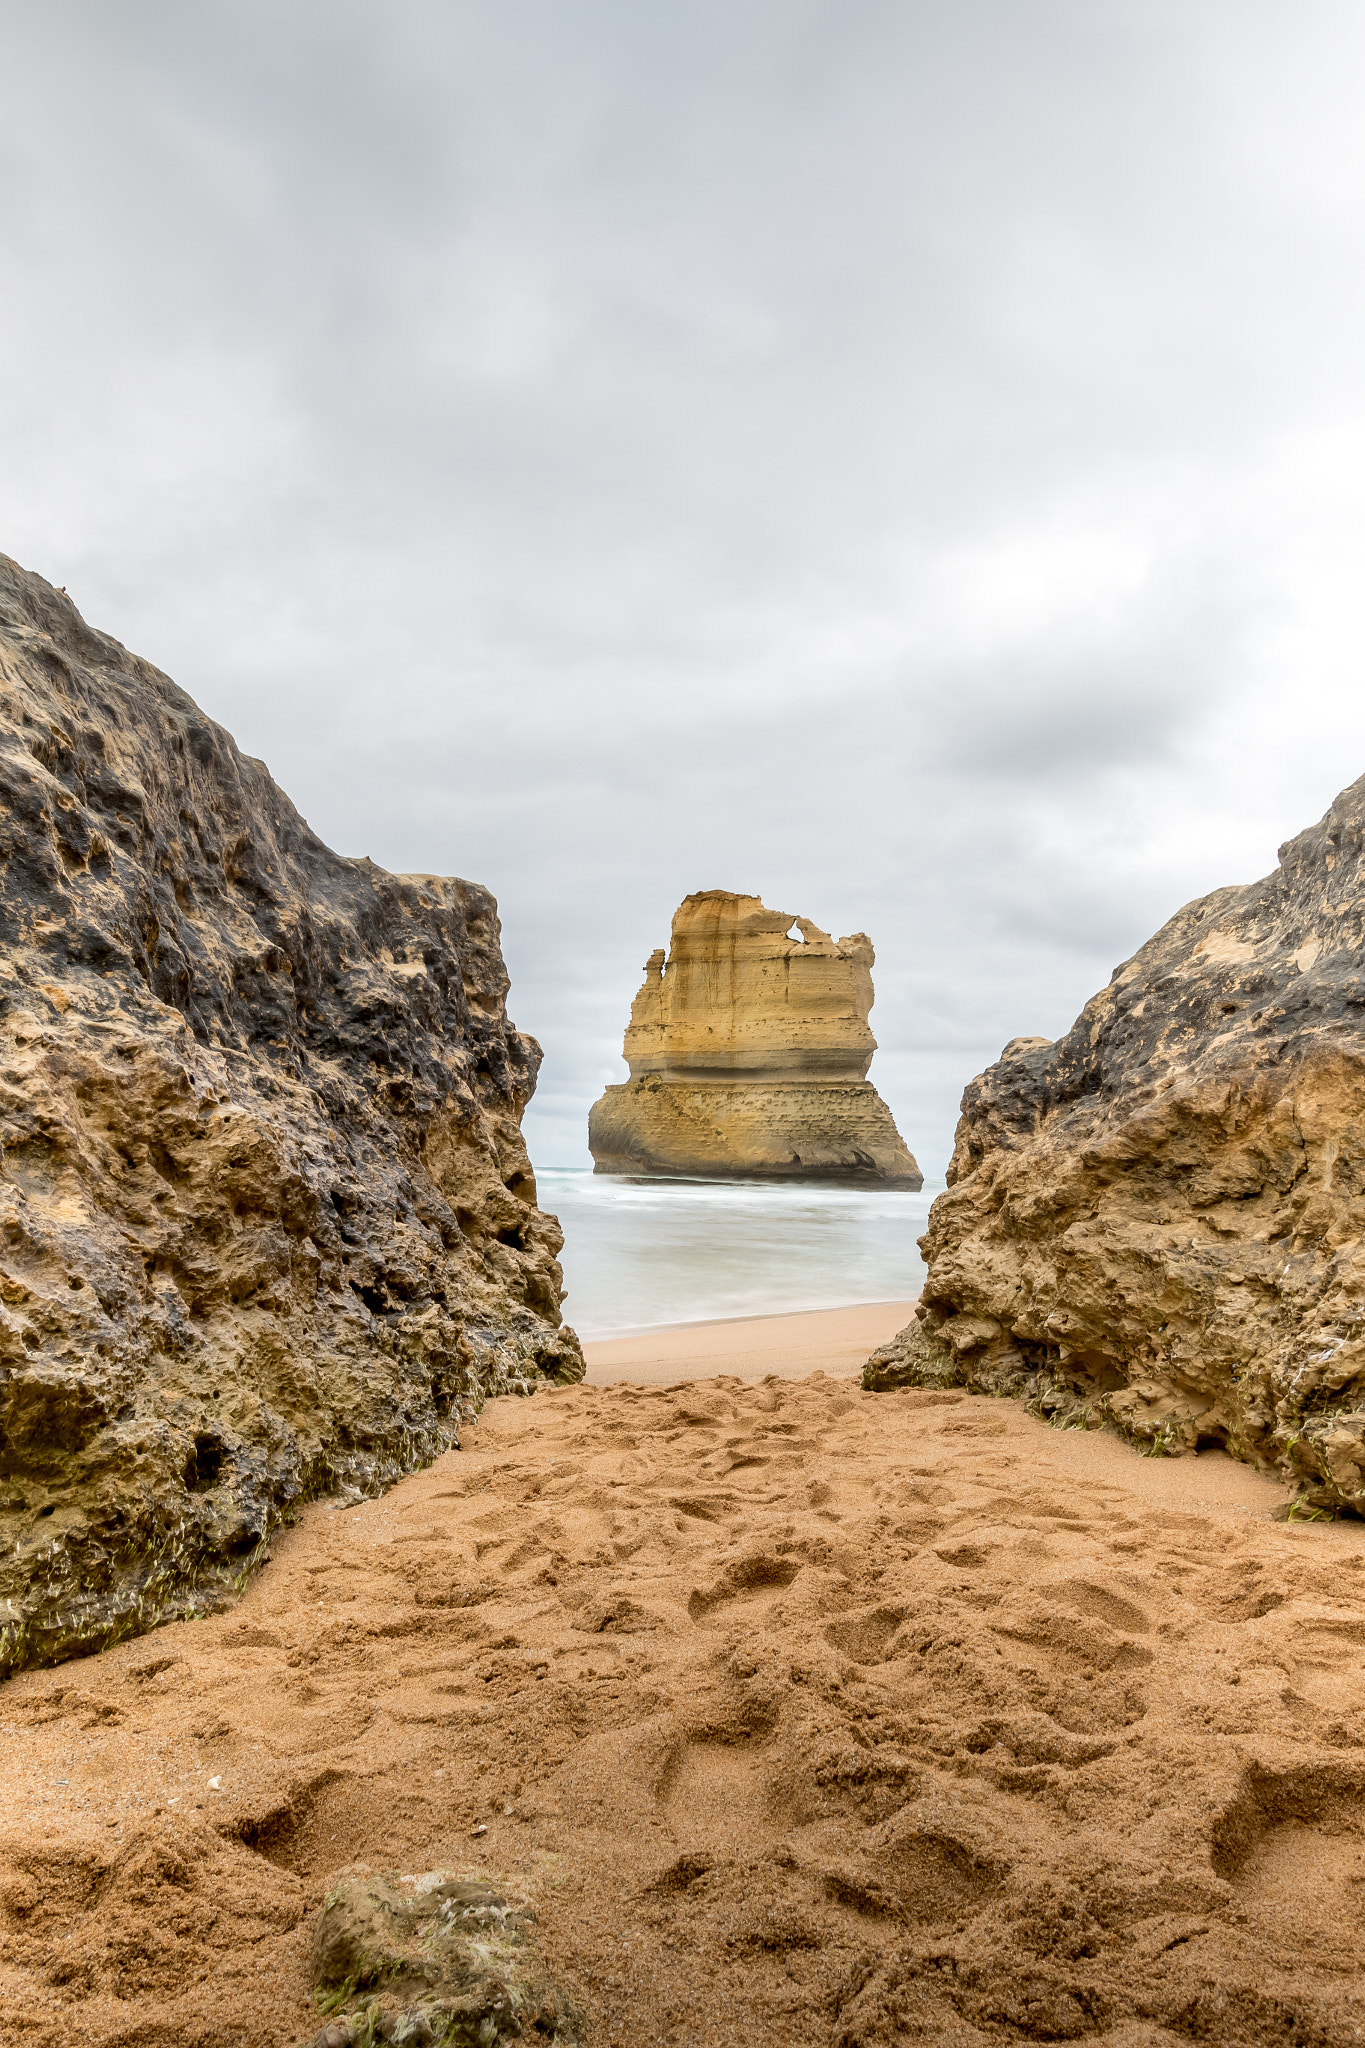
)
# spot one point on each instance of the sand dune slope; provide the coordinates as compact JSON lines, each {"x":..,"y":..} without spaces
{"x":809,"y":1718}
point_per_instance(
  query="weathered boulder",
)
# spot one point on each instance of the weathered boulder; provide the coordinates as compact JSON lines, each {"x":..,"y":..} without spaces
{"x":267,"y":1223}
{"x":1158,"y":1222}
{"x":443,"y":1960}
{"x":748,"y":1052}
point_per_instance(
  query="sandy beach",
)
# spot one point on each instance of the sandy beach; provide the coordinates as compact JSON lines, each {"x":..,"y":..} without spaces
{"x":836,"y":1341}
{"x":801,"y":1714}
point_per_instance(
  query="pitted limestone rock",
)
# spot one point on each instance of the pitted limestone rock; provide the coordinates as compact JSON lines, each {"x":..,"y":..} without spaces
{"x":1158,"y":1223}
{"x":267,"y":1222}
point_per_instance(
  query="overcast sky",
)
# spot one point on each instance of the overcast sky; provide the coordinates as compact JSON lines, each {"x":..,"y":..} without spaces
{"x":904,"y":460}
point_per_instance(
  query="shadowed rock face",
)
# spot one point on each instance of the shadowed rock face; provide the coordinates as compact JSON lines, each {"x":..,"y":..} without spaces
{"x":748,"y":1052}
{"x":1157,"y":1221}
{"x":267,"y":1223}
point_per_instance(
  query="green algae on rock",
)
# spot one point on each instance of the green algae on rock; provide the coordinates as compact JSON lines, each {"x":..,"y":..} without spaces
{"x":1157,"y":1223}
{"x":267,"y":1223}
{"x":439,"y":1960}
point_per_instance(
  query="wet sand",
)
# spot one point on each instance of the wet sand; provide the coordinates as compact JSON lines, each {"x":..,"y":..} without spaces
{"x":834,"y":1340}
{"x":807,"y":1716}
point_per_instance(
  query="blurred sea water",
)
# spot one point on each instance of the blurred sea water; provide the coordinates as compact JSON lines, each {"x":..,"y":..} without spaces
{"x":639,"y":1253}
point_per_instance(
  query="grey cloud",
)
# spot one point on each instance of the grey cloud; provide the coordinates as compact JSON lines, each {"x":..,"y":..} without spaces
{"x":902,"y":459}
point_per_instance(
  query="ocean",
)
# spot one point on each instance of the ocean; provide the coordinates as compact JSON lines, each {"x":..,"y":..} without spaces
{"x":639,"y":1253}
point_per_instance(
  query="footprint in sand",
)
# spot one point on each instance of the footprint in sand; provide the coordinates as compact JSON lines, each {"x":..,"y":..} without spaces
{"x":1293,"y":1844}
{"x":1102,"y":1603}
{"x":867,"y":1638}
{"x":1077,"y":1668}
{"x":931,"y":1875}
{"x":754,"y":1582}
{"x":715,"y":1800}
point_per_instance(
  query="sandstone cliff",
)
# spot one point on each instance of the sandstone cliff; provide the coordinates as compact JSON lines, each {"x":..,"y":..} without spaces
{"x":268,"y":1222}
{"x":748,"y":1053}
{"x":1159,"y":1221}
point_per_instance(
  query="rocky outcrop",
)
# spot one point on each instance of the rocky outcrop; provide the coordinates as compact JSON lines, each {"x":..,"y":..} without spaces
{"x":1158,"y":1222}
{"x":748,"y":1051}
{"x":437,"y":1961}
{"x":267,"y":1223}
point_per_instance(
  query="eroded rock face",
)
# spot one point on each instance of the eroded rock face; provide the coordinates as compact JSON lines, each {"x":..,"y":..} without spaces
{"x":267,"y":1223}
{"x":1157,"y":1222}
{"x":748,"y":1052}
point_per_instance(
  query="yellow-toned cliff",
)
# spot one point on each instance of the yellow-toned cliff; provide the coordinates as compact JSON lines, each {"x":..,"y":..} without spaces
{"x":748,"y":1051}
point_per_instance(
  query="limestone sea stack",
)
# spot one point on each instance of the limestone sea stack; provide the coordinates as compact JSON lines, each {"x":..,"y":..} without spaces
{"x":748,"y":1050}
{"x":1158,"y":1221}
{"x":267,"y":1223}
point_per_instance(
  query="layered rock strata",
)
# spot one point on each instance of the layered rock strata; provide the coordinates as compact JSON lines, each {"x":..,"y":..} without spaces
{"x":748,"y":1051}
{"x":267,"y":1223}
{"x":1158,"y":1222}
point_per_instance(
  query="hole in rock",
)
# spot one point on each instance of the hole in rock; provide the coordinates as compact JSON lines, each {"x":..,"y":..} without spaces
{"x":204,"y":1463}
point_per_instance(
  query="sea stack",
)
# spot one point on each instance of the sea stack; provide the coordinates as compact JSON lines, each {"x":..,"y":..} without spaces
{"x":1158,"y":1222}
{"x":267,"y":1224}
{"x":748,"y":1050}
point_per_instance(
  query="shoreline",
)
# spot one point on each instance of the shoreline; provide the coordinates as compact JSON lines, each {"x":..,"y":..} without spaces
{"x":789,"y":1346}
{"x":638,"y":1331}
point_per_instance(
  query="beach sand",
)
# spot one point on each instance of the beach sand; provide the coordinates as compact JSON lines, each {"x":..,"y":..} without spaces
{"x":810,"y":1718}
{"x":835,"y":1340}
